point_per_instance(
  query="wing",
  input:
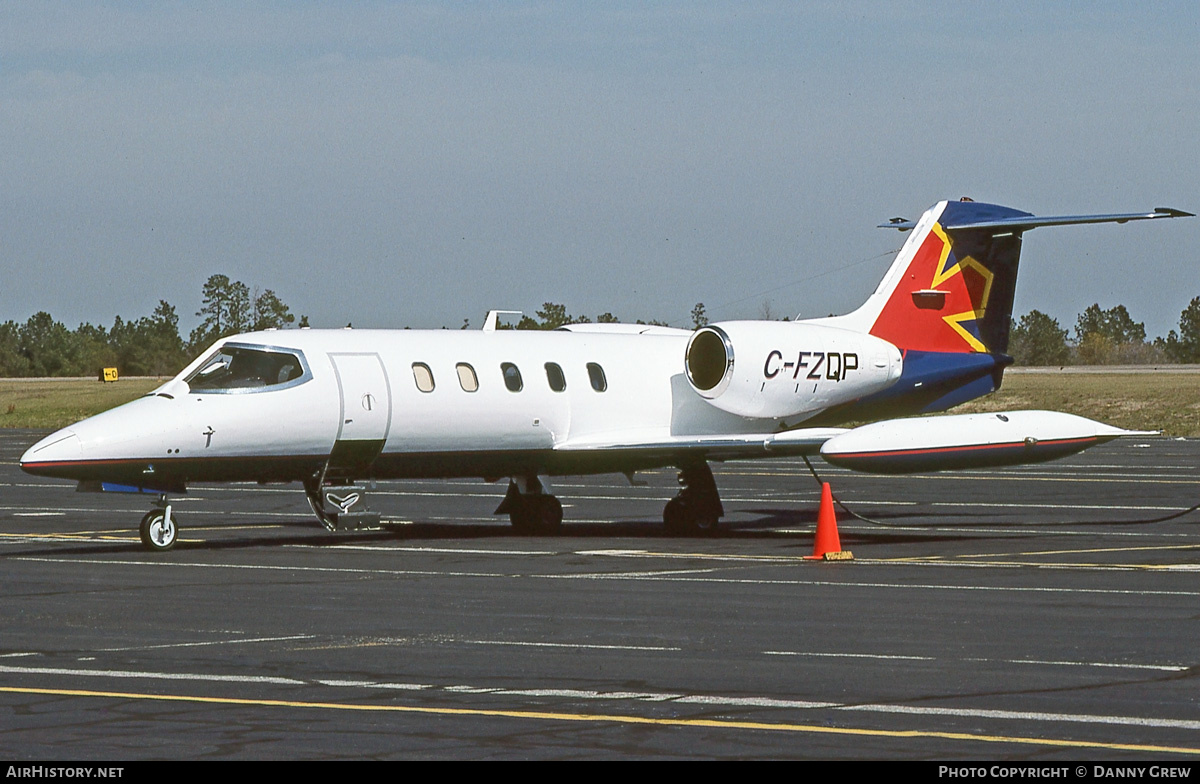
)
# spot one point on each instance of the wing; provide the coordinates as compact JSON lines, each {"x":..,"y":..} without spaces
{"x":722,"y":446}
{"x":893,"y":446}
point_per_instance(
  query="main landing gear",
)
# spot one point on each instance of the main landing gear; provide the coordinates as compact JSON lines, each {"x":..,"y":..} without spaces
{"x":159,"y":529}
{"x":530,"y":506}
{"x":696,"y":508}
{"x":694,"y":511}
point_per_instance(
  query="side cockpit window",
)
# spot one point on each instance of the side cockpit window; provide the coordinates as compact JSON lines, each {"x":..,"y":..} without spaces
{"x":235,"y":368}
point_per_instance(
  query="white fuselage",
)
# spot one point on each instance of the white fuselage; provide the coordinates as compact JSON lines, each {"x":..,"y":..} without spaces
{"x":436,"y":403}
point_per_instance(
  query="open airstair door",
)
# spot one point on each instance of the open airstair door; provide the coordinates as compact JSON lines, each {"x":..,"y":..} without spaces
{"x":366,"y":414}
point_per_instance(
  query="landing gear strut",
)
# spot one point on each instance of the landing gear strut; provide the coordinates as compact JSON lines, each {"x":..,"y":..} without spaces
{"x":697,"y":507}
{"x":532,"y":510}
{"x":159,"y":529}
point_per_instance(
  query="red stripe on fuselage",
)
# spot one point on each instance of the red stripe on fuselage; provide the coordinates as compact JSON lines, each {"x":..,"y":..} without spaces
{"x":964,"y":448}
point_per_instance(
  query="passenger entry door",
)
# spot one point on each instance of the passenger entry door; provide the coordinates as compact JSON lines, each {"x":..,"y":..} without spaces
{"x":366,"y":412}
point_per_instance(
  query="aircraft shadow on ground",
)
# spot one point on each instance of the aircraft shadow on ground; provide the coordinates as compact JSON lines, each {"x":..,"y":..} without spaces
{"x":797,"y":527}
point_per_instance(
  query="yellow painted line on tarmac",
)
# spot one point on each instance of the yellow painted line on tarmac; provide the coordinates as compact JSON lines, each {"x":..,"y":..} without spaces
{"x":73,"y":536}
{"x":1100,"y":567}
{"x":1110,"y":567}
{"x":1094,"y":550}
{"x":696,"y":556}
{"x":250,"y":527}
{"x":1035,"y":553}
{"x":1002,"y":559}
{"x":617,"y":719}
{"x":122,"y":534}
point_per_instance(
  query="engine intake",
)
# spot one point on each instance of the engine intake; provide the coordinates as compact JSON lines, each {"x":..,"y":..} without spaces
{"x":709,"y":361}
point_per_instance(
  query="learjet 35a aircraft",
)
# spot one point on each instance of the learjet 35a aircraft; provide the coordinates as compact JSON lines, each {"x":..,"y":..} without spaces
{"x":336,"y":409}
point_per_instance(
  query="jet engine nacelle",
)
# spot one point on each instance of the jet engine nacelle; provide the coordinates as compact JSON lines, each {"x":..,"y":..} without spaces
{"x":776,"y":369}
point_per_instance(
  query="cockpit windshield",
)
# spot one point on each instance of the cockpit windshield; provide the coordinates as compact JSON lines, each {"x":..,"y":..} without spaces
{"x":235,"y":368}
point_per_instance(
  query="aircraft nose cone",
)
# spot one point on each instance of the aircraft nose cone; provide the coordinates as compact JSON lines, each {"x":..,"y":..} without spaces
{"x":55,"y":449}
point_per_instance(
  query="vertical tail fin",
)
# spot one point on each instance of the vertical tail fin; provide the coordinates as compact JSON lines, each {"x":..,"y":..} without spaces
{"x":946,"y":302}
{"x":950,"y":289}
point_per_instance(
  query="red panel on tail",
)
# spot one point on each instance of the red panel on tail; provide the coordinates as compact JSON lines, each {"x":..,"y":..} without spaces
{"x":937,"y":304}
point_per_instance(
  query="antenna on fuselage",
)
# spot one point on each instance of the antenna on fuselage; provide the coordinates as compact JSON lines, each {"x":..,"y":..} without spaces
{"x":489,"y":323}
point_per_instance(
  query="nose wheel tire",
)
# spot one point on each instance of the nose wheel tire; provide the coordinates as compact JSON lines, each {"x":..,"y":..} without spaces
{"x":158,"y":530}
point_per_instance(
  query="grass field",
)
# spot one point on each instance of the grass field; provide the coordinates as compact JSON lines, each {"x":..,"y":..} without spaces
{"x":1169,"y":402}
{"x":54,"y":403}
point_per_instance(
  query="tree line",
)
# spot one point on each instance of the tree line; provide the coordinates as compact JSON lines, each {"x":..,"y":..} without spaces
{"x":148,"y":346}
{"x":1103,"y":337}
{"x":553,"y":315}
{"x":152,"y":346}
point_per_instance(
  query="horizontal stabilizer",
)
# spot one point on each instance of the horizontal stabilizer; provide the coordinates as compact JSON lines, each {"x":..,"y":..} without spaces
{"x":901,"y":446}
{"x":1025,"y":222}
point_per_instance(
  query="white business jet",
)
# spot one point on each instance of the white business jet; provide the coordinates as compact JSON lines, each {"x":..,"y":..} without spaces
{"x":335,"y":409}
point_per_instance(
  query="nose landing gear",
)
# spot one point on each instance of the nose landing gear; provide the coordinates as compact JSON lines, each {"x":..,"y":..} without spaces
{"x":159,"y":530}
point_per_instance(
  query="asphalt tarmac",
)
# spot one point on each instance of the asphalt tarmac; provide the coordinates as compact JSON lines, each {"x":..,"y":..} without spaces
{"x":1022,"y":614}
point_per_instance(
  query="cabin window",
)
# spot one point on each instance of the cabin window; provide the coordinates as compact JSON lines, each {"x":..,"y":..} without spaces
{"x":423,"y":376}
{"x":596,"y":376}
{"x":554,"y":375}
{"x":466,"y":377}
{"x":237,"y":368}
{"x":512,"y":377}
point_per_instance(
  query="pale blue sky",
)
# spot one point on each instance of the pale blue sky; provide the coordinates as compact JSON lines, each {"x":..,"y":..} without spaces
{"x":416,"y":164}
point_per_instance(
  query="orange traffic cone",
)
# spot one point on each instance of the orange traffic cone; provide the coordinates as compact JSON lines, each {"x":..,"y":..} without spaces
{"x":828,"y":545}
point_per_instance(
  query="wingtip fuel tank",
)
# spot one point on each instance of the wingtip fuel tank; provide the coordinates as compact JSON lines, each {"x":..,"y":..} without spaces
{"x":902,"y":446}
